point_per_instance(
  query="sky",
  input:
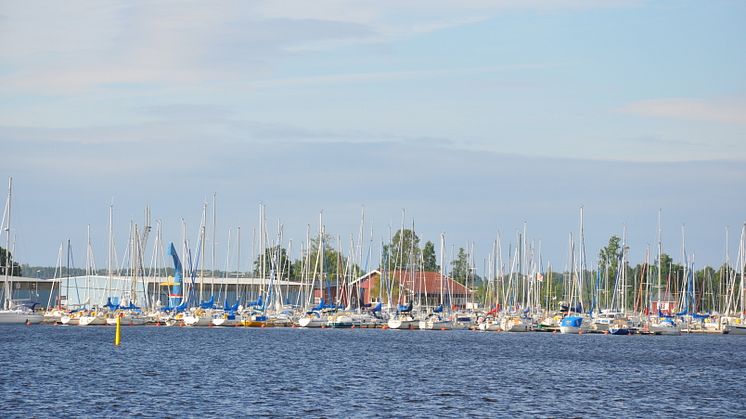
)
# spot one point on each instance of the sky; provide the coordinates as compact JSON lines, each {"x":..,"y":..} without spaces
{"x":466,"y":118}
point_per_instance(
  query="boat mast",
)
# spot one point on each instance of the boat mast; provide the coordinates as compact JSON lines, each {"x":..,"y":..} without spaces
{"x":442,"y":266}
{"x":8,"y":266}
{"x":660,"y":267}
{"x":110,"y":247}
{"x":214,"y":233}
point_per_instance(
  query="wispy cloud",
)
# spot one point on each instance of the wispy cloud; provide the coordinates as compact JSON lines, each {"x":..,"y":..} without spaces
{"x":66,"y":48}
{"x":386,"y":76}
{"x":725,"y":111}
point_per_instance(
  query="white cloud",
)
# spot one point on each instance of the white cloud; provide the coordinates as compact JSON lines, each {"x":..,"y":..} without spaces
{"x":66,"y":47}
{"x":725,"y":111}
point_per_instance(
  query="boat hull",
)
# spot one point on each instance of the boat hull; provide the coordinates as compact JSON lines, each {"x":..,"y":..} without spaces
{"x":92,"y":321}
{"x":20,"y":317}
{"x":739,"y":330}
{"x":402,"y":324}
{"x":197,"y":321}
{"x":312,"y":322}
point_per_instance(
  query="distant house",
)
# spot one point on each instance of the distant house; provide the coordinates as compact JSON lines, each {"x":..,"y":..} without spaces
{"x":665,"y":303}
{"x":419,"y":287}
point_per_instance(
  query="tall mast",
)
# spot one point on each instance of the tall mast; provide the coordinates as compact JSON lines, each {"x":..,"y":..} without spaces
{"x":214,"y":233}
{"x":442,"y":252}
{"x":581,"y":252}
{"x":660,"y":262}
{"x":109,"y":272}
{"x":8,"y":265}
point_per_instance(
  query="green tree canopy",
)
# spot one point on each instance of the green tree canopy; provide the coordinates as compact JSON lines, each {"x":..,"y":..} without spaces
{"x":608,"y":257}
{"x":403,"y":252}
{"x":460,"y":266}
{"x":335,"y":263}
{"x":7,"y":264}
{"x":430,"y":263}
{"x":275,"y":257}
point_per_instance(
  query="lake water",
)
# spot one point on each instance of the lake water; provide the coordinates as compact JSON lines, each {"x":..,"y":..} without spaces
{"x":238,"y":372}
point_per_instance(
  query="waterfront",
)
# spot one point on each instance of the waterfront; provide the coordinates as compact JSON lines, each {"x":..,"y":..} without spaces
{"x":181,"y":372}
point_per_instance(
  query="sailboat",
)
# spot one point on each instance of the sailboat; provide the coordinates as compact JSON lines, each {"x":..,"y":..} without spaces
{"x":403,"y":318}
{"x":576,"y":322}
{"x":12,"y":313}
{"x":92,"y":317}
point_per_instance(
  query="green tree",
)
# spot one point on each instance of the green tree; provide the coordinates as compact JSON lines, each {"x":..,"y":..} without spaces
{"x":428,"y":256}
{"x":460,"y":266}
{"x":335,"y":264}
{"x":275,"y":257}
{"x":403,"y":252}
{"x":608,"y":257}
{"x":669,"y":268}
{"x":7,"y":264}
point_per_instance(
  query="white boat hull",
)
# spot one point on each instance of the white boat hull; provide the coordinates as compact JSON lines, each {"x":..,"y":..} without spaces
{"x":20,"y":317}
{"x":91,"y":321}
{"x":489,"y":326}
{"x":435,"y":325}
{"x":225,"y":322}
{"x":340,"y":322}
{"x":514,"y":325}
{"x":197,"y":321}
{"x":664,"y":330}
{"x":69,"y":320}
{"x":570,"y":330}
{"x":312,"y":322}
{"x":402,"y":324}
{"x":127,"y":320}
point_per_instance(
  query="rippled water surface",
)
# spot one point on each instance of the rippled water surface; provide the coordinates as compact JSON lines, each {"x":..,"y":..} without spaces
{"x":180,"y":372}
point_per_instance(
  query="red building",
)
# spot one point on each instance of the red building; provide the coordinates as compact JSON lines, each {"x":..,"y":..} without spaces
{"x":423,"y":288}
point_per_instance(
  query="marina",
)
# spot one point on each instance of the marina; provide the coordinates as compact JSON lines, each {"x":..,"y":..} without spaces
{"x":376,"y":209}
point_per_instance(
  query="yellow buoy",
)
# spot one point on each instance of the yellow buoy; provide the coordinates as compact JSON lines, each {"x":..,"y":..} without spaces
{"x":118,"y":333}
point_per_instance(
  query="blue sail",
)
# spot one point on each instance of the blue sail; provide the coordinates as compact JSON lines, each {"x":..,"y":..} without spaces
{"x":111,"y":306}
{"x":663,"y":316}
{"x":234,"y":307}
{"x":130,"y":307}
{"x":405,"y":308}
{"x":175,"y":297}
{"x":438,"y":309}
{"x":208,"y":304}
{"x":377,"y":308}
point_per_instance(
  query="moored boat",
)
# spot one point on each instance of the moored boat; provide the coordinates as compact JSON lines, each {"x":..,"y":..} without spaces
{"x":571,"y":325}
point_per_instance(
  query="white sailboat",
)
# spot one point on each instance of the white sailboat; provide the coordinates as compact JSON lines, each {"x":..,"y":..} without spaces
{"x":13,"y":313}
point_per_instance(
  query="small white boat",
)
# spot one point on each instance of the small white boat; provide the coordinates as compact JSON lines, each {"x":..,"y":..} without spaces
{"x":340,"y":320}
{"x":127,"y":319}
{"x":489,"y":324}
{"x":572,"y":325}
{"x":435,"y":323}
{"x":226,"y":320}
{"x":403,"y":321}
{"x":515,"y":324}
{"x":197,"y":320}
{"x":92,"y":319}
{"x":70,"y":319}
{"x":313,"y":320}
{"x":665,"y":326}
{"x":20,"y":316}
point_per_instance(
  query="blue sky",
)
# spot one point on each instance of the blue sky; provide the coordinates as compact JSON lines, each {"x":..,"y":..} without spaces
{"x":474,"y":116}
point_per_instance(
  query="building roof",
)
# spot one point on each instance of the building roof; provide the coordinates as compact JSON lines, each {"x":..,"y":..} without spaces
{"x":429,"y":283}
{"x":423,"y":282}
